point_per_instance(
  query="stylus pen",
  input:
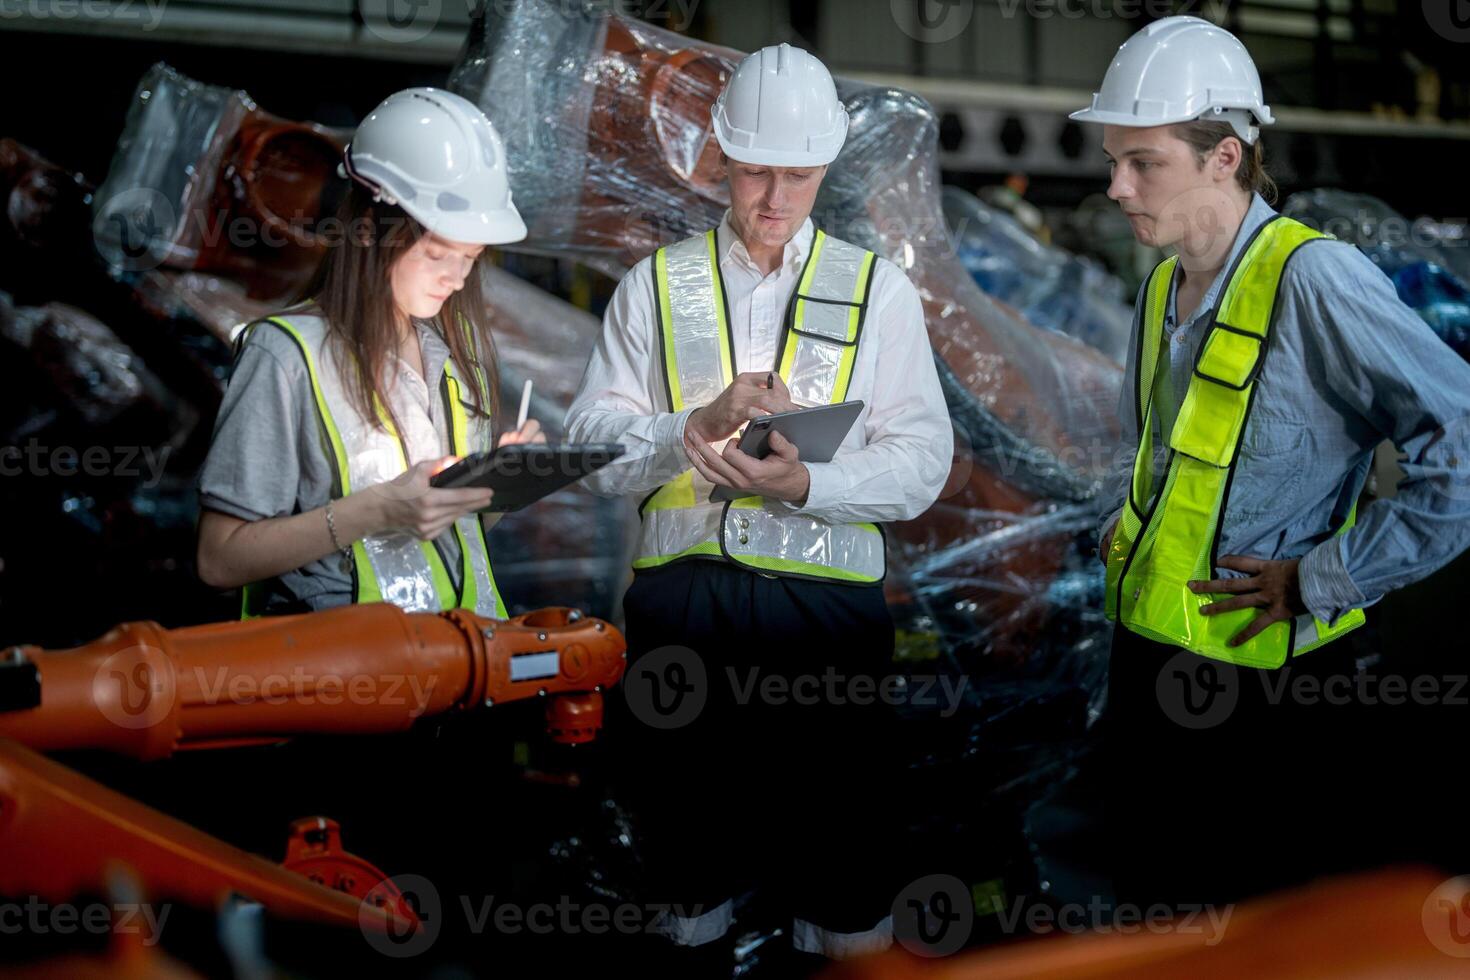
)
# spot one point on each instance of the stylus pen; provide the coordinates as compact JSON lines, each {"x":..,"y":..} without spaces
{"x":525,"y":405}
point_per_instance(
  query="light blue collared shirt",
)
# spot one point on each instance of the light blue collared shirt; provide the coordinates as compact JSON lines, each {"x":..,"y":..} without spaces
{"x":1348,"y":365}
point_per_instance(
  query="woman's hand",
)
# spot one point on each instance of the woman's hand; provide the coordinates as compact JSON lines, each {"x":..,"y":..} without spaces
{"x":408,"y":503}
{"x":530,"y":432}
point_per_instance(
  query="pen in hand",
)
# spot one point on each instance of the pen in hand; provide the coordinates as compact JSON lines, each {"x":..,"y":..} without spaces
{"x":525,"y":406}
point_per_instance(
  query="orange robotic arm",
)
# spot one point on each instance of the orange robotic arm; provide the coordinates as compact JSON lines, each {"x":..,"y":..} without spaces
{"x":144,"y":691}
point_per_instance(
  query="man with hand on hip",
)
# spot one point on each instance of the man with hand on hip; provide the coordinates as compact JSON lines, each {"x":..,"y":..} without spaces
{"x":1268,"y":361}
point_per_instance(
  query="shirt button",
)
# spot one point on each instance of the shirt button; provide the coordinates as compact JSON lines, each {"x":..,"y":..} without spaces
{"x":745,"y":522}
{"x":745,"y":539}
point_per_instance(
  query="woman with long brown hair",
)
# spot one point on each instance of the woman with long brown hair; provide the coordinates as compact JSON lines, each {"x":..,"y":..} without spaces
{"x":316,"y":489}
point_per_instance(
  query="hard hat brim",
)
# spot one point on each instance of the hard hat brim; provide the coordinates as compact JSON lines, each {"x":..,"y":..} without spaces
{"x":1106,"y":118}
{"x":472,"y":228}
{"x":778,"y":158}
{"x":1261,"y":117}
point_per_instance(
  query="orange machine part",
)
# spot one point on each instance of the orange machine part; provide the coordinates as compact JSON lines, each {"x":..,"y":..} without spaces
{"x":315,"y":851}
{"x":144,"y":691}
{"x":1381,"y":924}
{"x":62,"y":834}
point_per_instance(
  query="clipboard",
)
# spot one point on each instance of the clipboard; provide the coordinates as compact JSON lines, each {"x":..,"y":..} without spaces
{"x":523,"y":473}
{"x":816,"y":433}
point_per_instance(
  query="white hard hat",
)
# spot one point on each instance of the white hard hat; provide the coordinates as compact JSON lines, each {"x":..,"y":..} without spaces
{"x":1180,"y":69}
{"x":436,"y":155}
{"x":780,"y":109}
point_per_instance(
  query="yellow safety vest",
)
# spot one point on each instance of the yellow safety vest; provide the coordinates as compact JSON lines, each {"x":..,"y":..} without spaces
{"x":824,"y":324}
{"x":1164,"y":542}
{"x":394,"y":566}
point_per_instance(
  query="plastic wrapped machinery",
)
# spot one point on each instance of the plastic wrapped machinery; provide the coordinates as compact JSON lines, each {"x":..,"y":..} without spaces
{"x":1429,"y":267}
{"x":1048,"y":286}
{"x":191,"y":161}
{"x":607,"y":128}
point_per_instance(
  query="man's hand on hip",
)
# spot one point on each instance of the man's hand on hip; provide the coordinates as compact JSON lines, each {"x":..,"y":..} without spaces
{"x":1271,"y":586}
{"x":1106,"y":544}
{"x":746,"y":398}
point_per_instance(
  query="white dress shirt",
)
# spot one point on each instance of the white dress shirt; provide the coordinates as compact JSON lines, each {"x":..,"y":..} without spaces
{"x":894,"y":460}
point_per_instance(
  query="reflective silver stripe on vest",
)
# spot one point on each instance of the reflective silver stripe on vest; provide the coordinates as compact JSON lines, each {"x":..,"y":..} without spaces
{"x":481,"y":436}
{"x":694,"y":930}
{"x":825,"y":319}
{"x":678,"y":521}
{"x":811,"y":938}
{"x":697,"y":309}
{"x":398,"y":559}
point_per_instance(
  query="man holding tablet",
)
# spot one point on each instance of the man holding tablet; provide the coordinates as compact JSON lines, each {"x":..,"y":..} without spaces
{"x":765,"y":314}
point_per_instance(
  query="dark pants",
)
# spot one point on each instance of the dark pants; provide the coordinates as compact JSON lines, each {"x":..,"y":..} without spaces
{"x":784,"y":776}
{"x":1225,"y":781}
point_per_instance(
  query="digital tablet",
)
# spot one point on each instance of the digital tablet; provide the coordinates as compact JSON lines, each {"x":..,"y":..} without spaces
{"x":523,"y":473}
{"x":816,"y":433}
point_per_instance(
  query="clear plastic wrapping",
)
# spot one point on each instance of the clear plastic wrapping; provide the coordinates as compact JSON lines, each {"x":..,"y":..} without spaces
{"x":1048,"y":286}
{"x":203,"y":178}
{"x":1428,"y":263}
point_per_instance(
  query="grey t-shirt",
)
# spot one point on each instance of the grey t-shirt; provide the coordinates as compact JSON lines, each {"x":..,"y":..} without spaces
{"x":269,"y":458}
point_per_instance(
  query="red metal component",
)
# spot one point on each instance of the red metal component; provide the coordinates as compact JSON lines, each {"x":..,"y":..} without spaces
{"x":574,"y":718}
{"x":314,"y":849}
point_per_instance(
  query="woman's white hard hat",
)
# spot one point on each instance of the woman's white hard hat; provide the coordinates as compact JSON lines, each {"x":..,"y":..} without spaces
{"x":437,"y":156}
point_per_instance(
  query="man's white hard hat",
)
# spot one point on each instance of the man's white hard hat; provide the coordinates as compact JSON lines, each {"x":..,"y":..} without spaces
{"x":780,"y":109}
{"x":1179,"y":69}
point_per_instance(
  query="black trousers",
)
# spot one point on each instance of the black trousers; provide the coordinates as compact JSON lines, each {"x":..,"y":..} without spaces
{"x":783,"y":780}
{"x":1225,"y":781}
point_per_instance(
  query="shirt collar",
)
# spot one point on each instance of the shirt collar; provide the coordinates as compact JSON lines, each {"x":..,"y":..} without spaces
{"x":729,"y":246}
{"x":1255,"y":216}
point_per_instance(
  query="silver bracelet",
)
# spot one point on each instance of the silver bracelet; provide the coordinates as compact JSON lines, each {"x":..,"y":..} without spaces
{"x":332,"y":528}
